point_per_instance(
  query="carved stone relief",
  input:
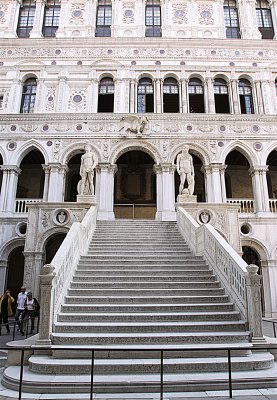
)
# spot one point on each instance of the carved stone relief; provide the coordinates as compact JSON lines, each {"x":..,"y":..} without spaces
{"x":180,"y":12}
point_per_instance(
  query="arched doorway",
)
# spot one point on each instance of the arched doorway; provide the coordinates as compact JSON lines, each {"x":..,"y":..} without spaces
{"x":15,"y":271}
{"x":199,"y":189}
{"x":251,"y":256}
{"x":31,"y":179}
{"x":72,"y":177}
{"x":135,"y":186}
{"x":238,"y":182}
{"x":272,"y":179}
{"x":52,"y":246}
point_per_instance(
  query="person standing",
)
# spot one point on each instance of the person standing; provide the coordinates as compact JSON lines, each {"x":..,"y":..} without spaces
{"x":31,"y":306}
{"x":20,"y":305}
{"x":6,"y":301}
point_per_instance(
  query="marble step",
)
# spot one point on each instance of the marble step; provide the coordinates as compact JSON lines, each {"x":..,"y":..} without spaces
{"x":111,"y":273}
{"x":141,"y":278}
{"x":161,"y":308}
{"x":149,"y":338}
{"x":149,"y":327}
{"x":144,"y":299}
{"x":144,"y":265}
{"x":164,"y":284}
{"x":49,"y":365}
{"x":79,"y":316}
{"x":130,"y":292}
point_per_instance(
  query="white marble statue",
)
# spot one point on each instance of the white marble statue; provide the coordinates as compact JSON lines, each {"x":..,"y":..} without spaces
{"x":88,"y":164}
{"x":185,"y":169}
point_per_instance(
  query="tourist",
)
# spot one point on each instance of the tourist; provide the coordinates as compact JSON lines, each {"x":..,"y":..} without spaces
{"x":6,"y":301}
{"x":31,"y":309}
{"x":20,"y":306}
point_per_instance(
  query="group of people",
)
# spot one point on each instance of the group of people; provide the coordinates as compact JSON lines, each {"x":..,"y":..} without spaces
{"x":27,"y":307}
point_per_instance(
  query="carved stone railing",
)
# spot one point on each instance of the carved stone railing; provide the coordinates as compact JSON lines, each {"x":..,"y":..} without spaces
{"x":21,"y":205}
{"x":55,"y":277}
{"x":246,"y":205}
{"x":241,"y":282}
{"x":273,"y":205}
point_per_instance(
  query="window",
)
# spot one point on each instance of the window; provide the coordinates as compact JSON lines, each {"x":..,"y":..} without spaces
{"x":106,"y":95}
{"x":196,"y":96}
{"x":153,"y":18}
{"x":221,"y":97}
{"x":28,"y":96}
{"x":51,"y":18}
{"x":104,"y":18}
{"x":245,"y":97}
{"x":171,"y":96}
{"x":264,"y":19}
{"x":276,"y":86}
{"x":1,"y":102}
{"x":145,"y":95}
{"x":26,"y":18}
{"x":231,"y":19}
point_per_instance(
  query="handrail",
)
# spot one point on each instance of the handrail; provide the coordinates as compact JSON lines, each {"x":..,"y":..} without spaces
{"x":240,"y":280}
{"x":56,"y":277}
{"x":161,"y":349}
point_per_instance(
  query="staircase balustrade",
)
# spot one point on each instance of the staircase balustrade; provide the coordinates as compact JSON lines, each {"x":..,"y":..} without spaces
{"x":246,"y":205}
{"x":273,"y":205}
{"x":241,"y":282}
{"x":55,"y":277}
{"x":21,"y":205}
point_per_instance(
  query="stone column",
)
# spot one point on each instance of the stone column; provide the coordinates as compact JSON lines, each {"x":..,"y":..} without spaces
{"x":32,"y":269}
{"x":258,"y":175}
{"x":105,"y":190}
{"x":269,"y":270}
{"x":61,"y":32}
{"x":13,"y":14}
{"x":40,"y":96}
{"x":36,"y":32}
{"x":3,"y":272}
{"x":214,"y":186}
{"x":132,"y":96}
{"x":9,"y":187}
{"x":184,"y":96}
{"x":158,"y":96}
{"x":46,"y":301}
{"x":253,"y":291}
{"x":46,"y":170}
{"x":56,"y":182}
{"x":209,"y":88}
{"x":269,"y":97}
{"x":118,"y":96}
{"x":247,"y":17}
{"x":165,"y":192}
{"x":235,"y":96}
{"x":259,"y":97}
{"x":222,"y":181}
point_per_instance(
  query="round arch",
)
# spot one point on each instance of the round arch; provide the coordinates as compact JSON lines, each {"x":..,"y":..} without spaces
{"x":135,"y":145}
{"x":257,"y":246}
{"x":196,"y":75}
{"x":247,"y":77}
{"x":40,"y":247}
{"x":104,"y":75}
{"x":171,"y":75}
{"x":265,"y":154}
{"x":3,"y":155}
{"x":222,"y":76}
{"x":145,"y":75}
{"x":9,"y":246}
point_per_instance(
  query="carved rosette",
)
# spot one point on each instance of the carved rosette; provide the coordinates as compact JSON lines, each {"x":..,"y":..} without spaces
{"x":180,"y":12}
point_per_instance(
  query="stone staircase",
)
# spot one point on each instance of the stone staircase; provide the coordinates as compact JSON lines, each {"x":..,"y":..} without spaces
{"x":141,"y":288}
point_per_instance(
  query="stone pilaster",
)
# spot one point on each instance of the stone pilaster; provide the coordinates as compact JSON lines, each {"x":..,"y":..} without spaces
{"x":184,"y":96}
{"x":158,"y":95}
{"x":165,"y":192}
{"x":259,"y":97}
{"x":36,"y":32}
{"x":14,"y":7}
{"x":254,"y":308}
{"x":32,"y":270}
{"x":105,"y":190}
{"x":3,"y":271}
{"x":209,"y":89}
{"x":61,"y":94}
{"x":273,"y":7}
{"x":132,"y":96}
{"x":235,"y":96}
{"x":9,"y":187}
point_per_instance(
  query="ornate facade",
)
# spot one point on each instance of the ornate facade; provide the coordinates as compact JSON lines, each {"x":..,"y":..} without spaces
{"x":137,"y":80}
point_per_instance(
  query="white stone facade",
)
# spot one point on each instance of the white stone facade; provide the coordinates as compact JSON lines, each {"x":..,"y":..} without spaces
{"x":68,"y":71}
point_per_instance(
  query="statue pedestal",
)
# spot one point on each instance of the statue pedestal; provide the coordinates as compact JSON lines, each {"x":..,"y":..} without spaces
{"x":86,"y":198}
{"x":186,"y":198}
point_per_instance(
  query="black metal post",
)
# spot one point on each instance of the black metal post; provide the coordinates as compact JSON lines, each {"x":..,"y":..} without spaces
{"x":14,"y":327}
{"x":21,"y":375}
{"x":162,"y":376}
{"x":92,"y":375}
{"x":230,"y":374}
{"x":274,"y":329}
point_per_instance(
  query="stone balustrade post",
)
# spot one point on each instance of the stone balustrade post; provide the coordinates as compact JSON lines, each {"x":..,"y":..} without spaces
{"x":46,"y":300}
{"x":254,"y":308}
{"x":9,"y":187}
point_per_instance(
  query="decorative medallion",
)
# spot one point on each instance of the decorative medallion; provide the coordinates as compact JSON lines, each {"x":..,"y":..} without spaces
{"x":204,"y":217}
{"x":11,"y":146}
{"x":258,"y":146}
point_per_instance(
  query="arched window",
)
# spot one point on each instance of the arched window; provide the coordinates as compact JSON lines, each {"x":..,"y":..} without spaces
{"x":264,"y":19}
{"x":145,"y":95}
{"x":170,"y":95}
{"x":26,"y":18}
{"x":231,"y":19}
{"x":221,"y":96}
{"x":106,"y":95}
{"x":103,"y":18}
{"x":246,"y":97}
{"x":51,"y":18}
{"x":153,"y":18}
{"x":28,"y":96}
{"x":196,"y":96}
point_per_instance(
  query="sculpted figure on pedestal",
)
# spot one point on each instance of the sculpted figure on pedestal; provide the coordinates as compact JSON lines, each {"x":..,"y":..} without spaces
{"x":185,"y":169}
{"x":88,"y":164}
